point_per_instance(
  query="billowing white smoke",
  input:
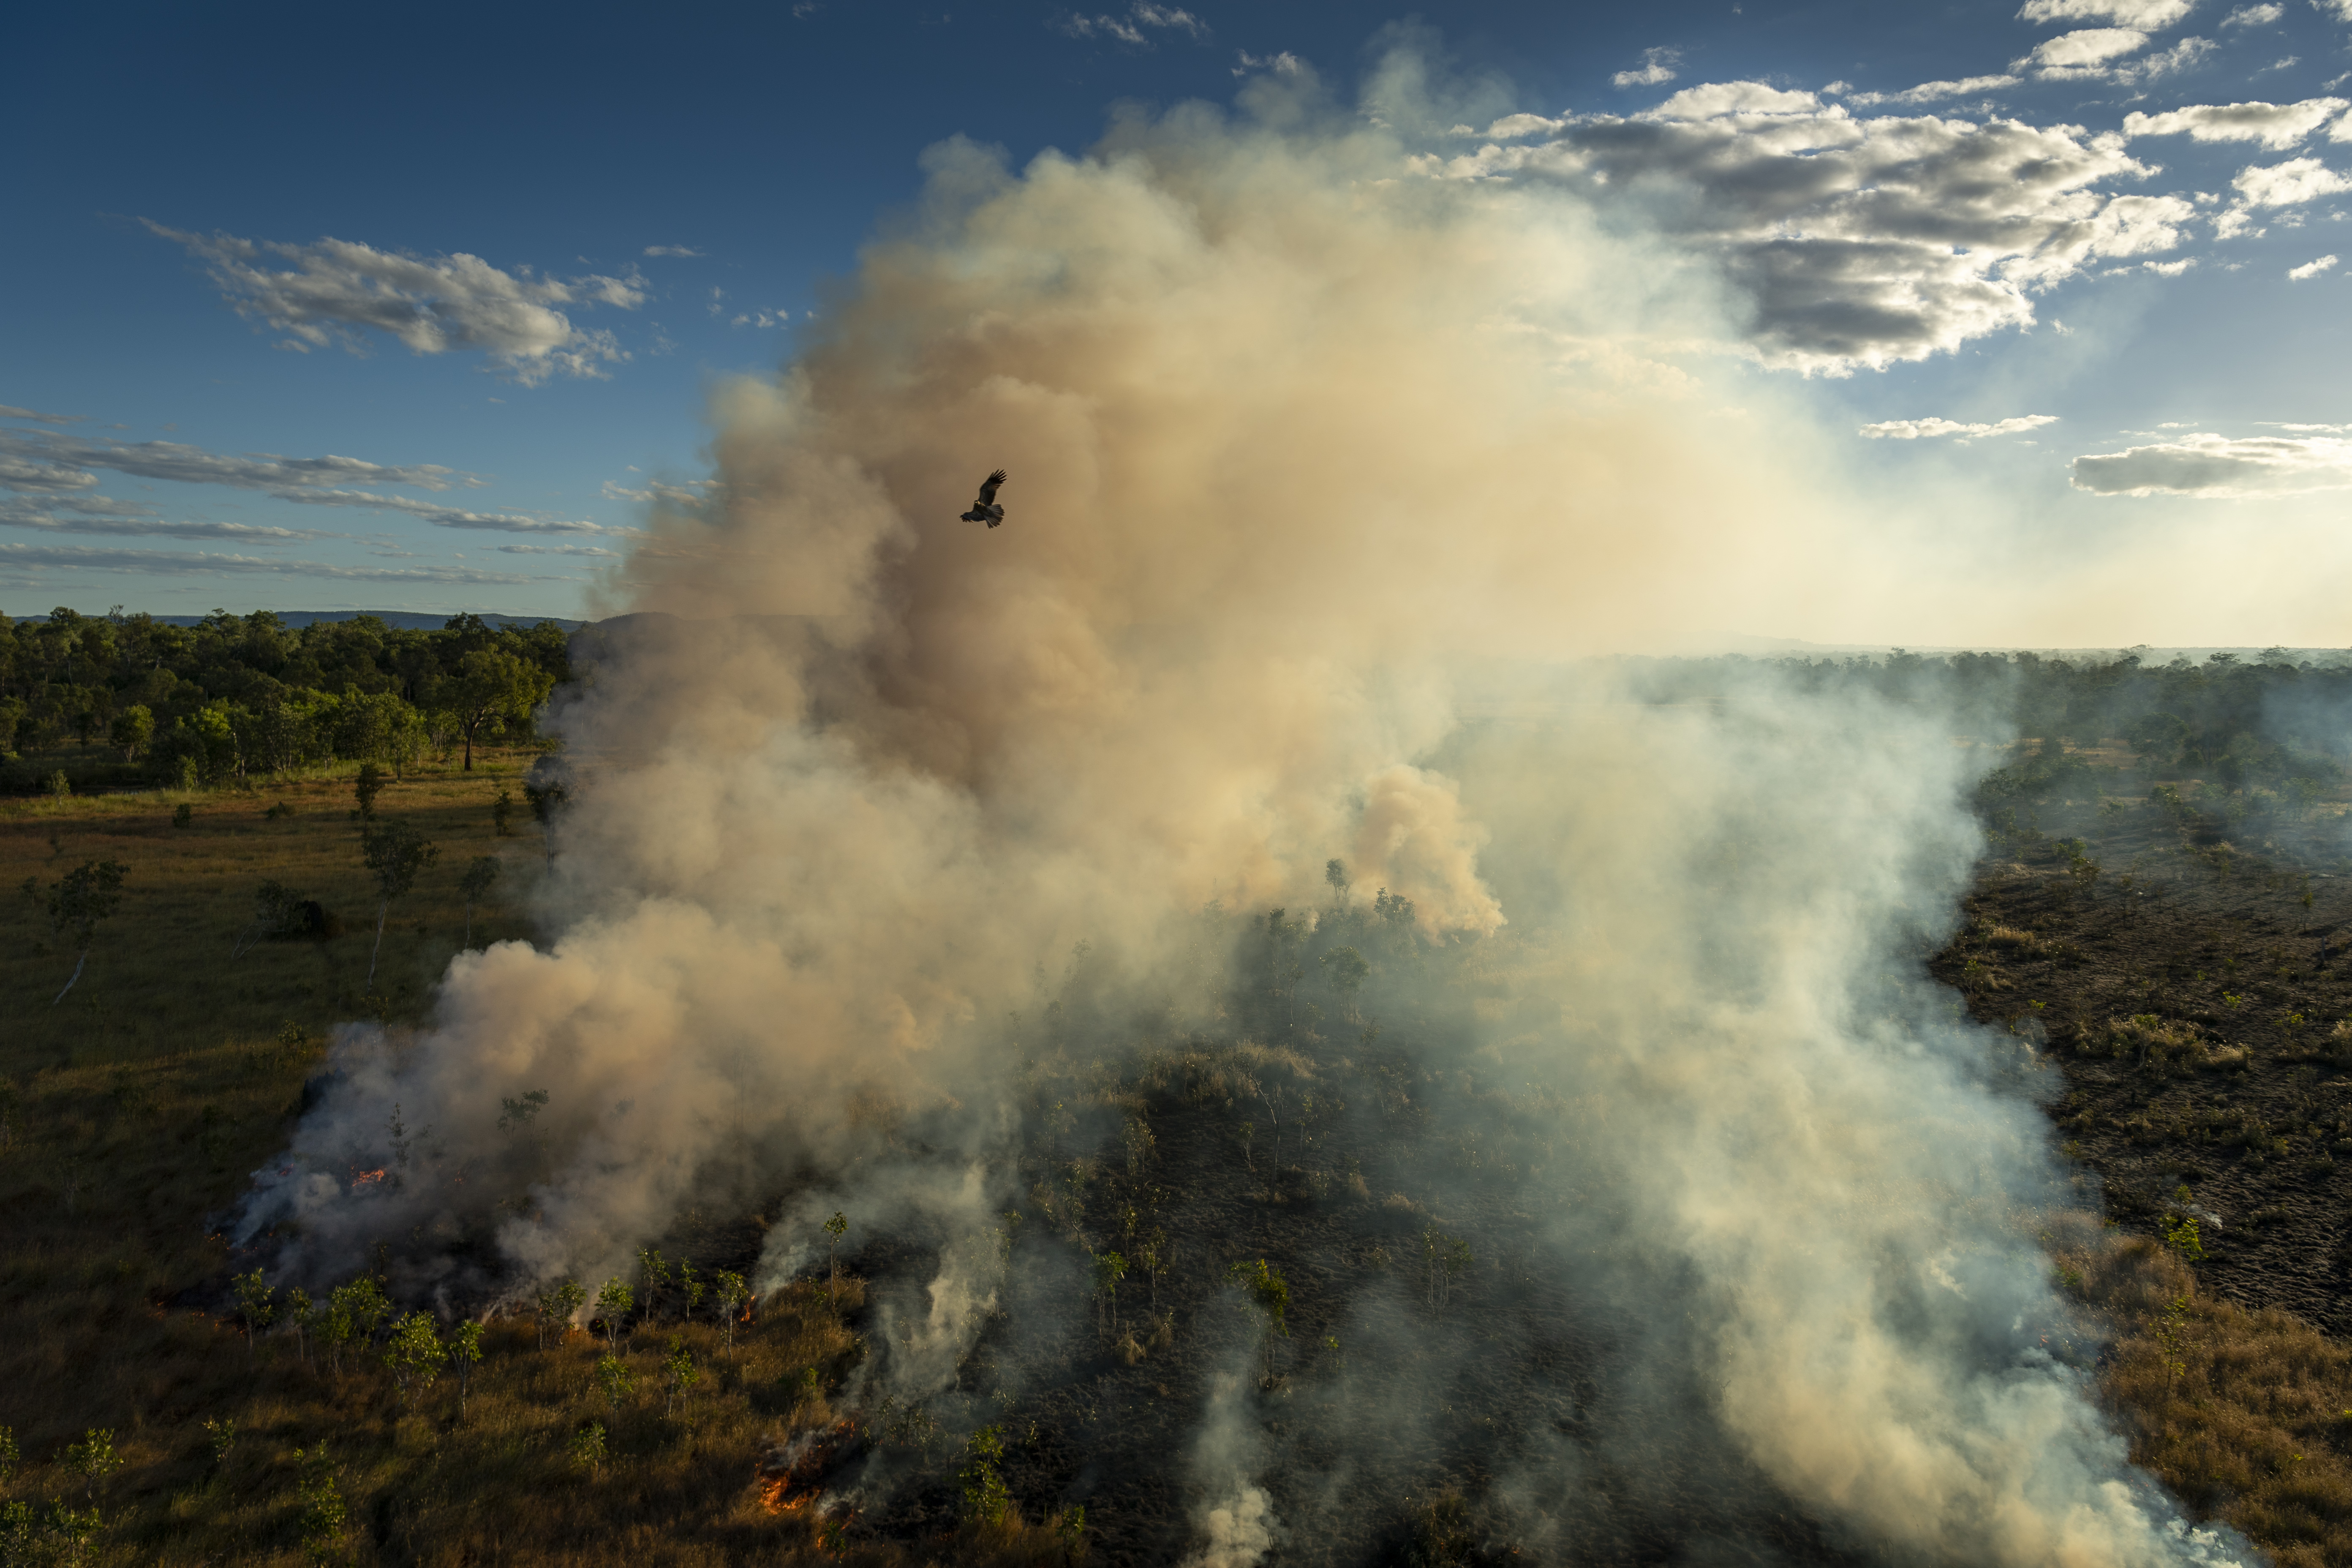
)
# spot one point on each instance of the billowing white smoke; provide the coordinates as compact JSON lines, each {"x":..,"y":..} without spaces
{"x":1287,"y":429}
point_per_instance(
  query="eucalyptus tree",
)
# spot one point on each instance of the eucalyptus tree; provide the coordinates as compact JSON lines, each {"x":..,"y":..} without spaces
{"x":74,"y":904}
{"x":397,"y":854}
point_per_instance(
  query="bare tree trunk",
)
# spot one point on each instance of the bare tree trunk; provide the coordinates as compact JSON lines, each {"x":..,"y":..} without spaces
{"x":76,"y":976}
{"x":380,"y":913}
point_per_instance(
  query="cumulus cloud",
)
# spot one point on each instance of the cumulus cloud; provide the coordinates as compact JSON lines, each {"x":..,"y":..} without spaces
{"x":2221,"y":468}
{"x":2289,"y":184}
{"x":2253,"y":16}
{"x":2311,"y":269}
{"x":2148,"y":15}
{"x":180,"y":563}
{"x":1916,"y":430}
{"x":1858,"y":240}
{"x":670,"y":250}
{"x":1935,"y":92}
{"x":2277,"y":126}
{"x":336,"y":291}
{"x":2339,"y":9}
{"x":1130,"y":28}
{"x":1657,"y":65}
{"x":2080,"y":50}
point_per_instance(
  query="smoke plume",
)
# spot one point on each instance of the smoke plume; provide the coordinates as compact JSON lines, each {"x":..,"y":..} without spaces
{"x":1291,"y":434}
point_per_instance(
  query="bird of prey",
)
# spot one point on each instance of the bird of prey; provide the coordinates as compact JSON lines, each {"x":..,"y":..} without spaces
{"x":985,"y":508}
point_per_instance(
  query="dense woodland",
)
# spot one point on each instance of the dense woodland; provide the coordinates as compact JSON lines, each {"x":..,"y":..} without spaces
{"x":127,"y":700}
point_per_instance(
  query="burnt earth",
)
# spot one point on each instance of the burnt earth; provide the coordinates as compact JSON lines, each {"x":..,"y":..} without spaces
{"x":2225,"y":940}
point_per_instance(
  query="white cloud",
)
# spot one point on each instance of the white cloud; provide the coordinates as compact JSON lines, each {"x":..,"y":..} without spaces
{"x":2144,"y":14}
{"x":1860,"y":240}
{"x":1130,"y":28}
{"x":2181,"y":56}
{"x":2277,"y":126}
{"x":1915,"y":429}
{"x":46,"y":461}
{"x":670,"y":250}
{"x":2339,"y":9}
{"x":1657,"y":65}
{"x":2074,"y":52}
{"x":2169,"y":268}
{"x":2286,"y":184}
{"x":2253,"y":16}
{"x":184,"y":464}
{"x":2220,"y":468}
{"x":1936,"y":91}
{"x":2310,"y":269}
{"x":1284,"y":64}
{"x":8,"y":413}
{"x":176,"y":564}
{"x":556,"y":549}
{"x":104,"y":517}
{"x":336,"y":288}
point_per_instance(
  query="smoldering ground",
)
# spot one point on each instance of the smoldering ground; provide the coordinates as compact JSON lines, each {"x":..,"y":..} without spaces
{"x":1287,"y":429}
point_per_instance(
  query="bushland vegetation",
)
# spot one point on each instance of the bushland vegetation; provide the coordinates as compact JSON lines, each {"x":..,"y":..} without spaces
{"x":125,"y":701}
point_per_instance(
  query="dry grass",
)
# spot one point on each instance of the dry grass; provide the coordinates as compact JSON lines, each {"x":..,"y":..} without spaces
{"x":133,"y":1112}
{"x":2246,"y":1415}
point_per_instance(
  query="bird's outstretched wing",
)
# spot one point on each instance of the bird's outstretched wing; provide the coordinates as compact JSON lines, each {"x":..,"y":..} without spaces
{"x":988,"y":487}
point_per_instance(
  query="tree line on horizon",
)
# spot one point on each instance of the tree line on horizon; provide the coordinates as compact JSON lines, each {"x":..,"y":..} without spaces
{"x":126,"y":698}
{"x":2236,"y":722}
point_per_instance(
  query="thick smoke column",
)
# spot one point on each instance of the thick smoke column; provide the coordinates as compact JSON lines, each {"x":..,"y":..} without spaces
{"x":1289,"y":431}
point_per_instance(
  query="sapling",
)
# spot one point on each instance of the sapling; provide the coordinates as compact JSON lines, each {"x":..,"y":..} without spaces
{"x":834,"y":1229}
{"x":558,"y":1304}
{"x":657,"y":1272}
{"x":466,"y":1349}
{"x":1249,"y":1135}
{"x":615,"y":1381}
{"x":301,"y":1315}
{"x":396,"y":853}
{"x":546,"y":804}
{"x":9,"y":1457}
{"x":731,"y":1295}
{"x":221,"y":1433}
{"x":1110,"y":1269}
{"x":588,"y":1447}
{"x":74,"y":904}
{"x":323,"y":1511}
{"x":1269,"y":1292}
{"x":94,"y":1458}
{"x":678,"y":1372}
{"x":691,"y":1289}
{"x":613,"y":1304}
{"x":502,"y":813}
{"x":480,"y":873}
{"x":253,"y":1307}
{"x":415,"y":1354}
{"x":353,"y":1310}
{"x":365,"y":787}
{"x":986,"y":1499}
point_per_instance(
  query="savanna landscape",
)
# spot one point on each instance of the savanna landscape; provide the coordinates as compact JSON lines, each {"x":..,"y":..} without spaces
{"x":1280,"y":1192}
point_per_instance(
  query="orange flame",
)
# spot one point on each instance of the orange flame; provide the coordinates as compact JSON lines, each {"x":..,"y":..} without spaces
{"x":790,"y":1478}
{"x":361,"y":1178}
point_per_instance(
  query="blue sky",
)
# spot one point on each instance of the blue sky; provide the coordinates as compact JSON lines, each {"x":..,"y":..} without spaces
{"x":2092,"y":253}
